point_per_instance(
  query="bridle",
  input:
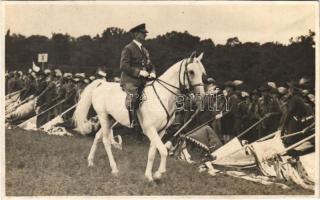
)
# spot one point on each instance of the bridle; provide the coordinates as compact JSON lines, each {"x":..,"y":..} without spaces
{"x":184,"y":90}
{"x":182,"y":83}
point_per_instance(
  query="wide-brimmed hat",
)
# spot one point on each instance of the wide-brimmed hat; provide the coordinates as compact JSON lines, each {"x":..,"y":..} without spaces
{"x":47,"y":72}
{"x":311,"y":97}
{"x":305,"y":92}
{"x":244,"y":94}
{"x":67,"y":76}
{"x":229,"y":84}
{"x":116,"y":79}
{"x":209,"y":80}
{"x":80,"y":75}
{"x":139,"y":28}
{"x":33,"y":74}
{"x":282,"y":90}
{"x":58,"y":73}
{"x":266,"y":88}
{"x":101,"y":73}
{"x":76,"y":79}
{"x":92,"y":78}
{"x":272,"y":84}
{"x":86,"y":81}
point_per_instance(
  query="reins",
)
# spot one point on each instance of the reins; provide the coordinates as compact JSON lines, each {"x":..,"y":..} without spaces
{"x":182,"y":88}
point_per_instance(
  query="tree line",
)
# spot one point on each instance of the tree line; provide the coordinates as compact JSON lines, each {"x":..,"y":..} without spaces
{"x":252,"y":62}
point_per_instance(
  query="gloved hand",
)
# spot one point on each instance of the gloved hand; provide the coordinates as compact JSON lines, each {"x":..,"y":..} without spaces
{"x":143,"y":73}
{"x":152,"y":75}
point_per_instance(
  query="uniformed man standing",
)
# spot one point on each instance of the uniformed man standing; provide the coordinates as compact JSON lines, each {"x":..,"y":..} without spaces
{"x":230,"y":125}
{"x":14,"y":82}
{"x":253,"y":116}
{"x":61,"y":91}
{"x":268,"y":104}
{"x":135,"y":67}
{"x":297,"y":115}
{"x":69,"y":99}
{"x":30,"y":86}
{"x":46,"y":99}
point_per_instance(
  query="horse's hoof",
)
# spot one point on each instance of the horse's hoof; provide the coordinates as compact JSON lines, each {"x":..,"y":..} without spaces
{"x":90,"y":163}
{"x":115,"y":173}
{"x":117,"y":146}
{"x":157,"y":175}
{"x":148,"y":178}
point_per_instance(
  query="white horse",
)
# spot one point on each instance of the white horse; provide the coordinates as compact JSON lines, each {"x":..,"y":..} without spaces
{"x":155,"y":113}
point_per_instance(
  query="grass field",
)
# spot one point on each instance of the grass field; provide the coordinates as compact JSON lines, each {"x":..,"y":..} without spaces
{"x":39,"y":164}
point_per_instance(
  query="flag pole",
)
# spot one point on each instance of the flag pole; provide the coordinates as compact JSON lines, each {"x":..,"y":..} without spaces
{"x":60,"y":115}
{"x":42,"y":112}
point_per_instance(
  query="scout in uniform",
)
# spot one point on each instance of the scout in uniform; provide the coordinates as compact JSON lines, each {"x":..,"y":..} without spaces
{"x":297,"y":115}
{"x":268,"y":104}
{"x":46,"y":100}
{"x":230,"y":126}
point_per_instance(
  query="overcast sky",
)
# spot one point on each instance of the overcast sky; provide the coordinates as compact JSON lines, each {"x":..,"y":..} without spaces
{"x":250,"y":22}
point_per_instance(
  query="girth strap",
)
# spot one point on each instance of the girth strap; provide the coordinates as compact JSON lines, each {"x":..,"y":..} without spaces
{"x":163,"y":106}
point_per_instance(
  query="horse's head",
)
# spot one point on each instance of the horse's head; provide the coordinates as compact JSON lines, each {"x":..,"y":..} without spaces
{"x":191,"y":73}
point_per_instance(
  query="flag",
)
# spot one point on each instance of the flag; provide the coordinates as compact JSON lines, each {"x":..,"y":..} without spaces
{"x":30,"y":124}
{"x":35,"y":67}
{"x":52,"y":123}
{"x":227,"y":149}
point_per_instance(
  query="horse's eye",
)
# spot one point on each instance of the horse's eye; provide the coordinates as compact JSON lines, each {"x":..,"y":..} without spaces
{"x":191,"y":73}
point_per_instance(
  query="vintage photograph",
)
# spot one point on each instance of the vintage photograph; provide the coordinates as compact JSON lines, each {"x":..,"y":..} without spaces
{"x":158,"y":98}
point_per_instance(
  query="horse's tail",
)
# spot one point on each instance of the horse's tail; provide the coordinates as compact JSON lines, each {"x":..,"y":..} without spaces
{"x":80,"y":114}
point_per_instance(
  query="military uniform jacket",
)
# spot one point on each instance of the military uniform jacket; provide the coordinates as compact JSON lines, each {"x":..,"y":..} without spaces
{"x":48,"y":95}
{"x":132,"y":61}
{"x":14,"y":84}
{"x":29,"y":89}
{"x":296,"y":110}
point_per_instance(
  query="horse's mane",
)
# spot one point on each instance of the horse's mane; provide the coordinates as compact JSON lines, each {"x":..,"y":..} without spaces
{"x":176,"y":67}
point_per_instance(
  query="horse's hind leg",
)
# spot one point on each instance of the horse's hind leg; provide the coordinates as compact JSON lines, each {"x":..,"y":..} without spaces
{"x":93,"y":149}
{"x":107,"y":138}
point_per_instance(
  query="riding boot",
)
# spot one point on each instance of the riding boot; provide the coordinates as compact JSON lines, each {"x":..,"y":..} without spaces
{"x":137,"y":128}
{"x":132,"y":118}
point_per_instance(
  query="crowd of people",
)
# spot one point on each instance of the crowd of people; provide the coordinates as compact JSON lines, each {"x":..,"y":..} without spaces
{"x":51,"y":87}
{"x":288,"y":109}
{"x":255,"y":113}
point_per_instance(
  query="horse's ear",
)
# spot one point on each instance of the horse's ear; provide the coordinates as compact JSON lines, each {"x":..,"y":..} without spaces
{"x":200,"y":56}
{"x":193,"y":55}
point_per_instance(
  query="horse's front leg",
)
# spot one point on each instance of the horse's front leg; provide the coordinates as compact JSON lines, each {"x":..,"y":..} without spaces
{"x":93,"y":149}
{"x":156,"y":140}
{"x":151,"y":156}
{"x":107,"y":138}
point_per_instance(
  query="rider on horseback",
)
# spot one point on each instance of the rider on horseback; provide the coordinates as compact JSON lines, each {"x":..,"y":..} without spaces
{"x":136,"y":68}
